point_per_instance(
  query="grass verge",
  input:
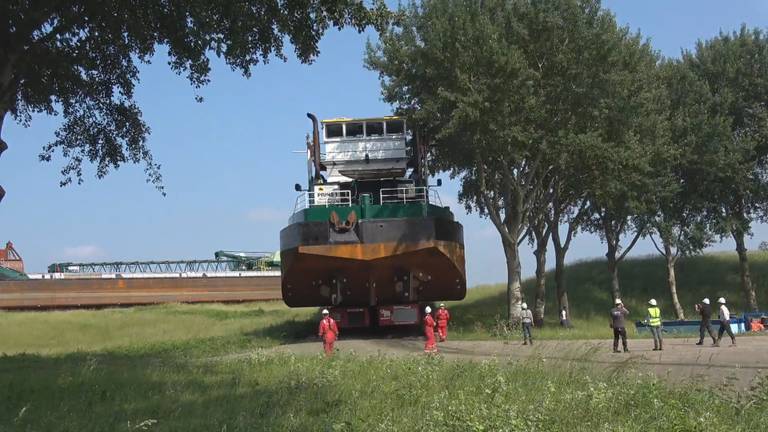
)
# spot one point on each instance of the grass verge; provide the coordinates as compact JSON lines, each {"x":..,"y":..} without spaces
{"x":212,"y":327}
{"x":286,"y":393}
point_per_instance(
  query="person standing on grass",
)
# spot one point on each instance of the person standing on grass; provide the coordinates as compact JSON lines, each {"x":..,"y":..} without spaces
{"x":527,"y":320}
{"x":725,"y":323}
{"x":443,"y":317}
{"x":328,"y":332}
{"x":653,"y":320}
{"x":705,"y":310}
{"x":430,"y":346}
{"x":618,"y":314}
{"x":564,"y":322}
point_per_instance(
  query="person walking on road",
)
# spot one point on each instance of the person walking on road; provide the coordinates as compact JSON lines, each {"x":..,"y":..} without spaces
{"x":653,"y":320}
{"x":618,"y":314}
{"x":705,"y":310}
{"x":527,"y":321}
{"x":328,"y":332}
{"x":725,"y":323}
{"x":430,"y":346}
{"x":443,"y":316}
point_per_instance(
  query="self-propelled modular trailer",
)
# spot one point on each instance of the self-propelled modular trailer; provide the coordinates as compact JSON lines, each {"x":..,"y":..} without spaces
{"x":369,"y":238}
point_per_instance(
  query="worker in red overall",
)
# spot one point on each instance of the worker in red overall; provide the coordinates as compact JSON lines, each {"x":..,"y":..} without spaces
{"x":443,"y":317}
{"x":429,"y":331}
{"x":328,"y":332}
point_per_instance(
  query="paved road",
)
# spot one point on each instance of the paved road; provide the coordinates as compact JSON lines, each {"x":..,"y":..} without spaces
{"x":681,"y":360}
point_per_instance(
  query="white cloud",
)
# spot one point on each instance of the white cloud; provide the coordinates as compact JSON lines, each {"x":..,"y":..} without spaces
{"x":265,"y":214}
{"x":84,"y":252}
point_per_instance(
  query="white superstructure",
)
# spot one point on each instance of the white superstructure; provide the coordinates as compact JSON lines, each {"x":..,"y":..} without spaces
{"x":360,"y":149}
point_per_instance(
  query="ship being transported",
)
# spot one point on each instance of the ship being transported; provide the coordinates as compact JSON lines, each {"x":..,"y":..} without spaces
{"x":369,"y":237}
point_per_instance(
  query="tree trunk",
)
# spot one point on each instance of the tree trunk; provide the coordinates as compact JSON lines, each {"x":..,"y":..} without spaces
{"x":613,"y":268}
{"x":746,"y":280}
{"x":541,"y":282}
{"x":672,"y":280}
{"x":514,"y":292}
{"x":562,"y":293}
{"x":3,"y":146}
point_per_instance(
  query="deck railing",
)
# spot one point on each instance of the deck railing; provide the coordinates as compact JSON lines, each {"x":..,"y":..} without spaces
{"x":405,"y":195}
{"x":323,"y":199}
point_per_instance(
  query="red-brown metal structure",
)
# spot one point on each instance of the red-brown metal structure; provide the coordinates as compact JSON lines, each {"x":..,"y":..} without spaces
{"x":11,"y":259}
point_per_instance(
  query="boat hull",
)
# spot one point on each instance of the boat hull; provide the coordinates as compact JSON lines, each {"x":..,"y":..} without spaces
{"x":379,"y":262}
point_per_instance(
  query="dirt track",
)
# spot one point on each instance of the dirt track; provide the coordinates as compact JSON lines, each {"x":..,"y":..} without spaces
{"x":681,"y":360}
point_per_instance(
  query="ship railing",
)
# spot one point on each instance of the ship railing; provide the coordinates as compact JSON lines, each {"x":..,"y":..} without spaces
{"x":323,"y":199}
{"x":434,"y":197}
{"x":405,"y":195}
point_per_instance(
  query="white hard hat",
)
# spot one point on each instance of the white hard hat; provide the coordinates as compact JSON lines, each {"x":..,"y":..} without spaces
{"x":617,"y":301}
{"x":652,"y":302}
{"x":427,"y":309}
{"x":325,"y":312}
{"x":705,"y":301}
{"x":721,"y":300}
{"x":524,"y":305}
{"x":442,"y":304}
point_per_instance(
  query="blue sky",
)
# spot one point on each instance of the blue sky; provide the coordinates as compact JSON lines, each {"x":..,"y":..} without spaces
{"x":228,"y":163}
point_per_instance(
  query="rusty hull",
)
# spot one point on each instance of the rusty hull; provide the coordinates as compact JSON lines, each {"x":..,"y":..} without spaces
{"x":370,"y":274}
{"x":71,"y":293}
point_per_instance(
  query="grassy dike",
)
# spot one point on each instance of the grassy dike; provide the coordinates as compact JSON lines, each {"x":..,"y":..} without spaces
{"x":480,"y":316}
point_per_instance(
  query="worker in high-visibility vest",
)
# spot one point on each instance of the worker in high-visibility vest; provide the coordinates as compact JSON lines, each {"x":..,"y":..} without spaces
{"x":653,"y":320}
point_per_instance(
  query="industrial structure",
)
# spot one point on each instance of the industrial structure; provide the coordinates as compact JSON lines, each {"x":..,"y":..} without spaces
{"x":230,"y":277}
{"x":369,"y":237}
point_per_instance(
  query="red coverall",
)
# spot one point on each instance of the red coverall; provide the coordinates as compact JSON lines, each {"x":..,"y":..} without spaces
{"x":442,"y":323}
{"x":328,"y":332}
{"x":429,"y":332}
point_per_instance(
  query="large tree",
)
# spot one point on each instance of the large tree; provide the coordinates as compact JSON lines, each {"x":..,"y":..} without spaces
{"x":80,"y":58}
{"x":493,"y":83}
{"x":680,"y":219}
{"x":735,"y":68}
{"x":621,"y":166}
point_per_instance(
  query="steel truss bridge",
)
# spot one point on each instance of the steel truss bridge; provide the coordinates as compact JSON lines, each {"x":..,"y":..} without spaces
{"x":252,"y":263}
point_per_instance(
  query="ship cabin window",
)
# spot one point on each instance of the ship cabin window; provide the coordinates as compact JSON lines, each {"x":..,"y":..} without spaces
{"x":354,"y":130}
{"x":373,"y":129}
{"x":334,"y":130}
{"x":395,"y":127}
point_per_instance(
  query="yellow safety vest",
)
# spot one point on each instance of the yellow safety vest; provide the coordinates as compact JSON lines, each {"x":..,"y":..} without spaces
{"x":655,"y":314}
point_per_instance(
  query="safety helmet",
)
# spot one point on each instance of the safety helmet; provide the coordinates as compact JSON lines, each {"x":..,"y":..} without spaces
{"x":442,"y":304}
{"x":652,"y":302}
{"x":325,"y":312}
{"x":705,"y":301}
{"x":427,"y":309}
{"x":524,"y":305}
{"x":721,"y":300}
{"x":617,"y":301}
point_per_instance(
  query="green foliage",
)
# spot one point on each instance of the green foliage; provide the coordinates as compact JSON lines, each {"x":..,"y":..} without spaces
{"x":512,"y":92}
{"x":80,"y":58}
{"x":734,"y":67}
{"x":285,"y":393}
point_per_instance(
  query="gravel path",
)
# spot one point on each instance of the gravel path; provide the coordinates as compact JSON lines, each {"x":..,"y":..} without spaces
{"x":681,"y":360}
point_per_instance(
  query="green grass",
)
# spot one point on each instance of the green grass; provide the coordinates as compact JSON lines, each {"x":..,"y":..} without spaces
{"x":208,"y":367}
{"x":235,"y":327}
{"x":481,"y":314}
{"x":284,"y":393}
